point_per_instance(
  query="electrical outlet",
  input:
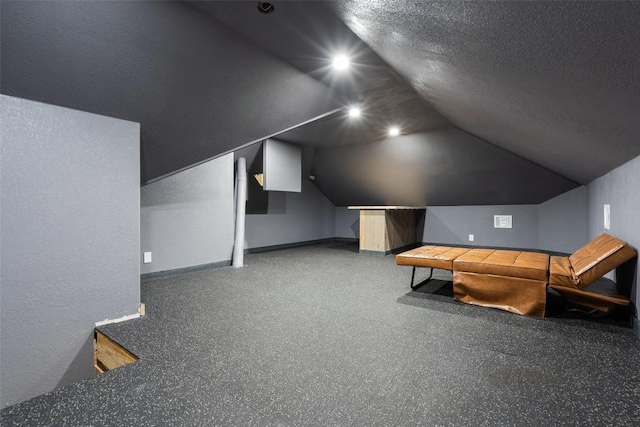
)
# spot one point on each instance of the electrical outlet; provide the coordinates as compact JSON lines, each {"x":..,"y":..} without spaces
{"x":471,"y":237}
{"x":147,"y":258}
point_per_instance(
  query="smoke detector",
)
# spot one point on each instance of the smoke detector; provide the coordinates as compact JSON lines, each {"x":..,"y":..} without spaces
{"x":265,"y":7}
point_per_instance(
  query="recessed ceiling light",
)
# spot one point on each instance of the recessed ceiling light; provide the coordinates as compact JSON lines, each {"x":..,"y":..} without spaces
{"x":354,"y":112}
{"x":394,"y":131}
{"x":341,"y":62}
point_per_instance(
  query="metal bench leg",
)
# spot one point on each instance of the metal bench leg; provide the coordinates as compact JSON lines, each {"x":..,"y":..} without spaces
{"x":424,"y":282}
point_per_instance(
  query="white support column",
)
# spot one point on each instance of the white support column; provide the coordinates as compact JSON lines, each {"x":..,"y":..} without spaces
{"x":241,"y":204}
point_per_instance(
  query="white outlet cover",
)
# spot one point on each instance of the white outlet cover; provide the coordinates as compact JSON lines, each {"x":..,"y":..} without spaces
{"x":471,"y":237}
{"x":146,"y":258}
{"x":607,"y":217}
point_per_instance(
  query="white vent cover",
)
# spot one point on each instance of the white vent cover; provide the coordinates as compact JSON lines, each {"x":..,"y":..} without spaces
{"x":502,"y":221}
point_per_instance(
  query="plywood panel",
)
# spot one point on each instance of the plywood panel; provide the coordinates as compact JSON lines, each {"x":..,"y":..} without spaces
{"x":386,"y":229}
{"x":372,"y":230}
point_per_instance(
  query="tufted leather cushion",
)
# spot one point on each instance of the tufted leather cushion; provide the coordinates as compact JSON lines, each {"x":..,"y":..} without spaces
{"x":526,"y":265}
{"x":560,"y":272}
{"x":598,"y":257}
{"x":431,"y":256}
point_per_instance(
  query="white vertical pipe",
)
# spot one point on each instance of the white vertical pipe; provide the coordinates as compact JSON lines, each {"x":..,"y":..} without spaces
{"x":241,"y":203}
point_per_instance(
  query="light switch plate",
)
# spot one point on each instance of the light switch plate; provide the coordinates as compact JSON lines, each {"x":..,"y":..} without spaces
{"x":607,"y":217}
{"x":146,"y":258}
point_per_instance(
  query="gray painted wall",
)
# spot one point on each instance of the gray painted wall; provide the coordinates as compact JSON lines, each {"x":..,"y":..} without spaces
{"x":559,"y":224}
{"x":70,"y":239}
{"x":563,"y":221}
{"x":620,"y":189}
{"x":347,"y":223}
{"x":187,"y":219}
{"x":453,"y":224}
{"x":292,"y":218}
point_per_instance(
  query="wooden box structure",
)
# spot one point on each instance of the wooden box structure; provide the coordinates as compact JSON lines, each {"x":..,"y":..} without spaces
{"x":386,"y":228}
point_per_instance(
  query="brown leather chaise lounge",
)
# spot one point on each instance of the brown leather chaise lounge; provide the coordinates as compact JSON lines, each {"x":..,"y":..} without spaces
{"x":517,"y":281}
{"x":575,"y":277}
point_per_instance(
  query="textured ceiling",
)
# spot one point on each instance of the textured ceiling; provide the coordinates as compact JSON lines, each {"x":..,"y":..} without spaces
{"x":546,"y":93}
{"x":435,"y":168}
{"x":197,"y":87}
{"x":555,"y":82}
{"x":307,"y":35}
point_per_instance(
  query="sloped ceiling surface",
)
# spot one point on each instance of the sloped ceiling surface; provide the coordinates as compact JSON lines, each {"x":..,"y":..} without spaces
{"x":555,"y":82}
{"x":546,"y":93}
{"x":348,"y":159}
{"x":197,"y":87}
{"x":436,"y":168}
{"x":307,"y":35}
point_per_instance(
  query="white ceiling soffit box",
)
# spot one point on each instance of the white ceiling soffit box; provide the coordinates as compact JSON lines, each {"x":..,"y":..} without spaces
{"x":282,"y":166}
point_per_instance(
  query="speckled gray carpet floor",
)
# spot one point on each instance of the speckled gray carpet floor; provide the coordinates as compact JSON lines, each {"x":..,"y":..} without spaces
{"x":321,"y":335}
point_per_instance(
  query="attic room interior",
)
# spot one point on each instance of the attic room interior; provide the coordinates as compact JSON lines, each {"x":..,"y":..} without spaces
{"x":240,"y":201}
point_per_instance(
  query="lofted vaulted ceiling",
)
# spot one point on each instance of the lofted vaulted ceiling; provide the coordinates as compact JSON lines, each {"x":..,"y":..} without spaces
{"x":499,"y":102}
{"x":197,"y":87}
{"x":555,"y":82}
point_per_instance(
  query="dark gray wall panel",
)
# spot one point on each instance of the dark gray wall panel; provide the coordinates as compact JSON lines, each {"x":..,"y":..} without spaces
{"x":292,"y":218}
{"x":563,"y":221}
{"x":187,"y":219}
{"x":453,"y":224}
{"x":619,"y":188}
{"x":448,"y":167}
{"x":197,"y":87}
{"x":70,"y":226}
{"x":555,"y":82}
{"x":347,"y":223}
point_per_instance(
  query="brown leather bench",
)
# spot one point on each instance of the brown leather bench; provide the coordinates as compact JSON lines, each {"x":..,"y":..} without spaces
{"x":516,"y":281}
{"x":509,"y":280}
{"x":440,"y":257}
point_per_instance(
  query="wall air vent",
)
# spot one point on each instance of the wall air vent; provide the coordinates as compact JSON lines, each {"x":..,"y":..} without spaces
{"x":502,"y":221}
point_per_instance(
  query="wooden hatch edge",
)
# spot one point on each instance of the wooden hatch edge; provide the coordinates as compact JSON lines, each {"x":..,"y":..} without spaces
{"x":108,"y":354}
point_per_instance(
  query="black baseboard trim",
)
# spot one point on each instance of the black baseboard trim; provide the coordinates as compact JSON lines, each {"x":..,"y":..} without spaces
{"x":346,"y":239}
{"x":227,"y":263}
{"x":178,"y":271}
{"x":636,"y":327}
{"x":295,"y":245}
